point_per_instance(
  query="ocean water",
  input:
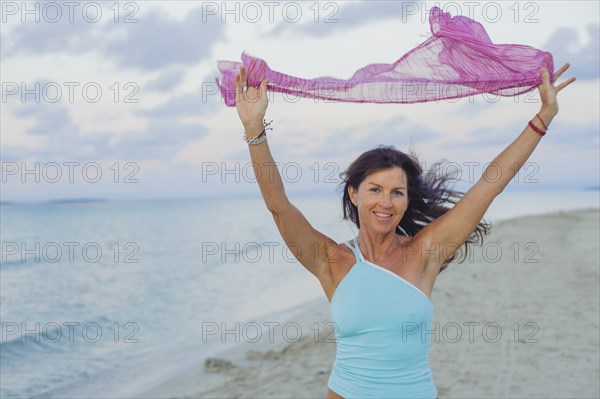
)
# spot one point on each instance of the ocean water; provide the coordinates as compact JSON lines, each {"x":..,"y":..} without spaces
{"x":105,"y":299}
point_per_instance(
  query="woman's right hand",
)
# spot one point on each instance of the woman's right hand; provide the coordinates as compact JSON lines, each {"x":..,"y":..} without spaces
{"x":251,"y":104}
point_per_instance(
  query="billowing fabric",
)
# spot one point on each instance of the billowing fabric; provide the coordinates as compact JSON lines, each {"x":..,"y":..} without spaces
{"x":458,"y":60}
{"x":383,"y":329}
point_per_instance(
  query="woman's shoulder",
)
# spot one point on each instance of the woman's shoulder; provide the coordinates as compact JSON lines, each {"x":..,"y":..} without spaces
{"x":412,"y":248}
{"x":339,"y":252}
{"x":341,"y":258}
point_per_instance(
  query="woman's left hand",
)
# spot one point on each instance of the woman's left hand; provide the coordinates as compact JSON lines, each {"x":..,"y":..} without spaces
{"x":548,"y":91}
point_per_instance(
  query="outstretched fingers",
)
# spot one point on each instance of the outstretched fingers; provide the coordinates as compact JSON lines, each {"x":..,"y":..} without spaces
{"x":240,"y":83}
{"x":243,"y":75}
{"x":557,"y":74}
{"x":561,"y":70}
{"x":565,"y":84}
{"x":263,"y":86}
{"x":237,"y":87}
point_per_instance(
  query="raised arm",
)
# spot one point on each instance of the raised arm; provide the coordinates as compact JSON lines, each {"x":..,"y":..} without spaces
{"x":446,"y":234}
{"x":313,"y":249}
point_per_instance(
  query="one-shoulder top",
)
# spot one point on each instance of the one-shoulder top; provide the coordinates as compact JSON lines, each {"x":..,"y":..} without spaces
{"x":383,"y":328}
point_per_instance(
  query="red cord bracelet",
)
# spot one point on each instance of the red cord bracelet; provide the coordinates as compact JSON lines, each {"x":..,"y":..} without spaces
{"x":543,"y":124}
{"x":536,"y":129}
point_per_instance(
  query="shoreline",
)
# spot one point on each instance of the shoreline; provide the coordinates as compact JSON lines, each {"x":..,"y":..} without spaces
{"x":306,"y":328}
{"x":539,"y":289}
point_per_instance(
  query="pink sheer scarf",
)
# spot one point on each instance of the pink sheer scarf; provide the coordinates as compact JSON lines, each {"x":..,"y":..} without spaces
{"x":458,"y":60}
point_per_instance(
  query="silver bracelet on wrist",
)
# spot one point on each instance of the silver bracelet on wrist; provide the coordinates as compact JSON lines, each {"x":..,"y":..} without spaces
{"x":261,"y":137}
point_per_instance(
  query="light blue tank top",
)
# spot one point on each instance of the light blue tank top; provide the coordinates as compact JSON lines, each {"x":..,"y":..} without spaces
{"x":383,"y":332}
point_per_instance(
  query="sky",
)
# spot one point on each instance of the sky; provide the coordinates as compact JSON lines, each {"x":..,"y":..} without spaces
{"x":118,"y":100}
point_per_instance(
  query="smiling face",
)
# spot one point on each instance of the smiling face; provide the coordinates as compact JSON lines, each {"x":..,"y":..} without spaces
{"x":381,"y":199}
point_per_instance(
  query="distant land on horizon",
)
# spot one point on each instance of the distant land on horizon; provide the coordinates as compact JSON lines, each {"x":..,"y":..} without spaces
{"x":56,"y":201}
{"x":257,"y":195}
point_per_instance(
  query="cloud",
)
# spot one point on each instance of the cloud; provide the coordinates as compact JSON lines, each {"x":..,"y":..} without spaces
{"x":395,"y":131}
{"x":155,"y":41}
{"x":206,"y":99}
{"x":347,"y":16}
{"x":563,"y":134}
{"x":566,"y":46}
{"x":166,"y":81}
{"x":44,"y":37}
{"x":162,"y":138}
{"x":167,"y":129}
{"x":571,"y":134}
{"x":52,"y":121}
{"x":486,"y":135}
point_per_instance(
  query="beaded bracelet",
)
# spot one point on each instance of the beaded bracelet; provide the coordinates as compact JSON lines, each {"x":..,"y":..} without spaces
{"x":261,"y":137}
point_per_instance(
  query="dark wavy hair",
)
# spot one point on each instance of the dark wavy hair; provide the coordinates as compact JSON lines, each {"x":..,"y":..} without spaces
{"x":428,"y":193}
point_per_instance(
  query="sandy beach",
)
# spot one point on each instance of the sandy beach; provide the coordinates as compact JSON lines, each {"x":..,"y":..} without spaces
{"x":518,"y":320}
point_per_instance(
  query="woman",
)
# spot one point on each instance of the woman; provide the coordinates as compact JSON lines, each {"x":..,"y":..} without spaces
{"x":406,"y":238}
